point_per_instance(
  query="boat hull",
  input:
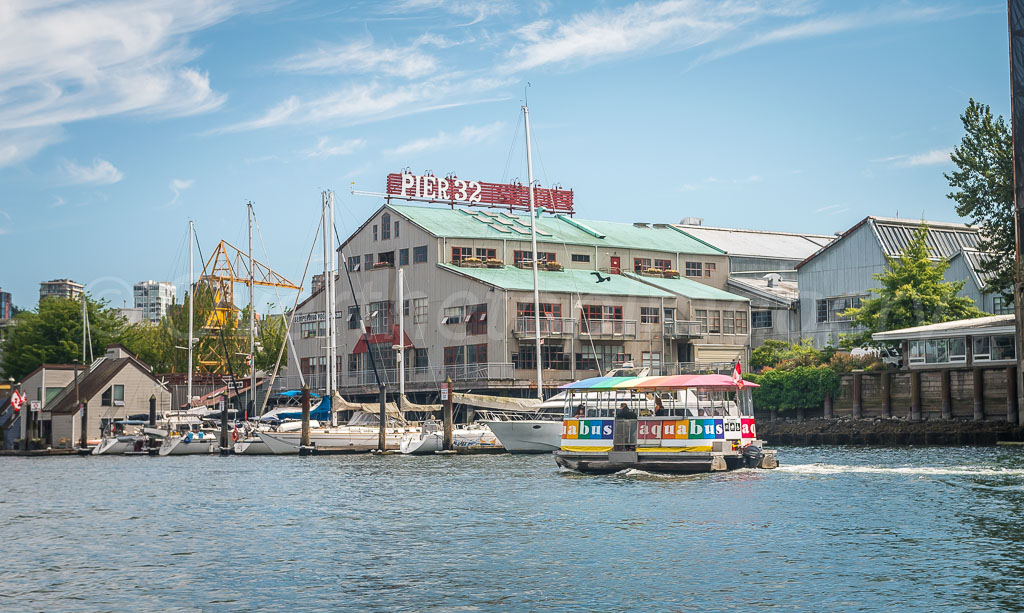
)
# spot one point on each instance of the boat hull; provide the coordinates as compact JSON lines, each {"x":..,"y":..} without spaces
{"x":115,"y":445}
{"x":475,"y":440}
{"x":178,"y":445}
{"x":658,"y":462}
{"x":252,"y":446}
{"x":362,"y":440}
{"x":528,"y":436}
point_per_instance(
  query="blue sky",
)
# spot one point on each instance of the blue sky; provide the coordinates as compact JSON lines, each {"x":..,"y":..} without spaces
{"x":120,"y":121}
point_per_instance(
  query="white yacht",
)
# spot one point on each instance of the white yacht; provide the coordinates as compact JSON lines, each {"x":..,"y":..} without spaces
{"x":360,"y":434}
{"x":471,"y":438}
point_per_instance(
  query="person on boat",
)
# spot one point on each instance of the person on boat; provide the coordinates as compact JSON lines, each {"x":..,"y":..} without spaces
{"x":580,"y":412}
{"x":659,"y":408}
{"x":625,"y":412}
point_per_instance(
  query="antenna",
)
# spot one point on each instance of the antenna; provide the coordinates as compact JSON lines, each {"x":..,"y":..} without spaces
{"x":526,"y":97}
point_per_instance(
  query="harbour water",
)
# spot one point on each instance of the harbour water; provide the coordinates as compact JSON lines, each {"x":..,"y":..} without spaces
{"x":833,"y":529}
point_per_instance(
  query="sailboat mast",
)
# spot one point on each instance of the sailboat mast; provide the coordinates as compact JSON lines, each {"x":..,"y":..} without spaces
{"x":85,"y":326}
{"x":191,"y":309}
{"x":533,"y":239}
{"x":252,"y":320}
{"x":332,"y":323}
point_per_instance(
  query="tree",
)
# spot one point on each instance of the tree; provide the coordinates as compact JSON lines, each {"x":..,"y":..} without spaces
{"x":52,"y":334}
{"x":983,"y":190}
{"x":913,"y":293}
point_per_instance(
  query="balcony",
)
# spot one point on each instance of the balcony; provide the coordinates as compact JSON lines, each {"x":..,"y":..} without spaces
{"x":487,"y":371}
{"x":550,"y":327}
{"x":608,"y":328}
{"x":682,"y":329}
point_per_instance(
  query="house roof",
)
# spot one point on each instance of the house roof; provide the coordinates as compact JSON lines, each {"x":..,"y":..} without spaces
{"x":488,"y":224}
{"x":759,"y":243}
{"x":785,"y":292}
{"x":945,"y":239}
{"x":91,"y":381}
{"x":568,"y":281}
{"x":993,"y":324}
{"x":689,"y":288}
{"x":974,"y":259}
{"x":51,"y":367}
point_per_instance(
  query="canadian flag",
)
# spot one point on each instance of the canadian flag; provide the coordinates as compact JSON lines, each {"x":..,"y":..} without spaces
{"x":17,"y":400}
{"x":737,"y":376}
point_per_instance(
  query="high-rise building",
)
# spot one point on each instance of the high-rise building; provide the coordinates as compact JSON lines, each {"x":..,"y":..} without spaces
{"x":154,"y":298}
{"x":60,"y":288}
{"x":6,"y":307}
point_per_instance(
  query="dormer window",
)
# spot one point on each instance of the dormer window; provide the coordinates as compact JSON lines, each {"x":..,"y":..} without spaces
{"x":385,"y":226}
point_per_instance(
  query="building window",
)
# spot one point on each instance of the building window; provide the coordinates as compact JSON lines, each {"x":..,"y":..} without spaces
{"x":760,"y":319}
{"x":419,"y":254}
{"x":601,"y":357}
{"x":649,"y":315}
{"x":452,"y":316}
{"x":714,"y":322}
{"x":380,"y":317}
{"x":663,"y":264}
{"x":106,"y":399}
{"x":702,"y":319}
{"x":709,"y":269}
{"x":476,"y":354}
{"x":454,"y":356}
{"x":460,"y":253}
{"x":386,"y":258}
{"x":368,"y":261}
{"x":693,"y":269}
{"x":304,"y":366}
{"x":938,"y":351}
{"x":385,"y":226}
{"x":307,"y":329}
{"x":419,"y":310}
{"x":483,"y":253}
{"x":476,"y":319}
{"x":1000,"y":306}
{"x":403,"y":256}
{"x":728,"y":323}
{"x":741,"y":322}
{"x":396,"y":228}
{"x":525,"y":309}
{"x":831,"y":309}
{"x":353,"y":317}
{"x":583,"y":258}
{"x":520,"y":257}
{"x":1002,"y":347}
{"x":353,"y":362}
{"x":353,"y":263}
{"x":374,"y":231}
{"x":641,"y":264}
{"x":420,"y":358}
{"x":552,"y":357}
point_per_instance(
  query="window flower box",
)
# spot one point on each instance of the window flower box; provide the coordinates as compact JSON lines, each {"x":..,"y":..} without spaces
{"x":653,"y":272}
{"x":384,"y":264}
{"x":472,"y":262}
{"x":670,"y":274}
{"x":493,"y":263}
{"x":553,"y":266}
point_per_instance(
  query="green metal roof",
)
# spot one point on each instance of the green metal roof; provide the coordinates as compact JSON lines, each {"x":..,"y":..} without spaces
{"x":690,"y":288}
{"x":491,"y":224}
{"x":568,"y":281}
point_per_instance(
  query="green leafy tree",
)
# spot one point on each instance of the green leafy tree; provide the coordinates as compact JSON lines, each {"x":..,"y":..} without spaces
{"x":983,"y":190}
{"x":52,"y":334}
{"x":776,"y":353}
{"x":913,"y":293}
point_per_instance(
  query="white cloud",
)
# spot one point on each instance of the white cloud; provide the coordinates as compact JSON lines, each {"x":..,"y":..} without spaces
{"x":64,"y":61}
{"x":101,"y":172}
{"x":58,"y":202}
{"x":477,"y":10}
{"x":467,"y":136}
{"x":374,"y":101}
{"x":177,"y":186}
{"x":362,"y":57}
{"x":928,"y":158}
{"x":324,"y":149}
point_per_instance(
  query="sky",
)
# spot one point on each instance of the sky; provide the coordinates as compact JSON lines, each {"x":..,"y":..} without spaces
{"x":120,"y":121}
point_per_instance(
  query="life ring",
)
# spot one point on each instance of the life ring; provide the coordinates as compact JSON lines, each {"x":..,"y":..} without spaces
{"x":234,"y":436}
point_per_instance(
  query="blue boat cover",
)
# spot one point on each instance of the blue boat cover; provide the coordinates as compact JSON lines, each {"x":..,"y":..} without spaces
{"x":322,"y":411}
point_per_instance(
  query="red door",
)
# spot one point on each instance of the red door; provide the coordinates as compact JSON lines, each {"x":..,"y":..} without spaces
{"x":615,"y":264}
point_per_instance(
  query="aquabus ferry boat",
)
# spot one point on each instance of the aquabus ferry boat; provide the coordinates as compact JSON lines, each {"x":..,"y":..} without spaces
{"x":674,"y":424}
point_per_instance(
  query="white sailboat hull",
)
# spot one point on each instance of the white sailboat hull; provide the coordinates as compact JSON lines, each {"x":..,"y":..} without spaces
{"x":528,"y":435}
{"x":114,"y":445}
{"x":477,"y":439}
{"x":252,"y":446}
{"x":179,"y":445}
{"x":353,"y":439}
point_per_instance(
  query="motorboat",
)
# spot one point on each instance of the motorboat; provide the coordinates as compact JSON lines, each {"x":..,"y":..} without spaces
{"x":469,"y":438}
{"x":698,"y":423}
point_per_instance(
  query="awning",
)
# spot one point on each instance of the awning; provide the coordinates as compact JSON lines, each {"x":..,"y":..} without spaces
{"x":389,"y":338}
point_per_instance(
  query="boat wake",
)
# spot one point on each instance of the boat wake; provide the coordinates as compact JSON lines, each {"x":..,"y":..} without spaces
{"x":923,"y":471}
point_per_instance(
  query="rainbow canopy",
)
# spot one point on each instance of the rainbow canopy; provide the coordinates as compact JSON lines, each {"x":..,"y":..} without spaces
{"x":674,"y":382}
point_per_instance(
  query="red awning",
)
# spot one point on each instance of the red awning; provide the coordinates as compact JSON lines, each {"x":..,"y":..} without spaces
{"x":391,"y":339}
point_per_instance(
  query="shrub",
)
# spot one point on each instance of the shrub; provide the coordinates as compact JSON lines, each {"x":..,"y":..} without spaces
{"x":803,"y":387}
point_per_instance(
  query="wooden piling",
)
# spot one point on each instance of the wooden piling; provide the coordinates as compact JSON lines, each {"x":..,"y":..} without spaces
{"x":152,"y":410}
{"x":304,"y":441}
{"x":225,"y":442}
{"x":85,"y":422}
{"x":947,"y":395}
{"x":886,"y":381}
{"x":382,"y":429}
{"x":858,"y":404}
{"x":915,"y":395}
{"x":828,"y":406}
{"x":1011,"y":394}
{"x":979,"y":393}
{"x":447,"y":440}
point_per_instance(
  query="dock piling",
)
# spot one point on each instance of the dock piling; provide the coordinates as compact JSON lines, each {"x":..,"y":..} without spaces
{"x":915,"y":395}
{"x":947,"y":395}
{"x":447,"y":440}
{"x":979,"y":393}
{"x":886,"y":380}
{"x":304,"y":441}
{"x":858,"y":404}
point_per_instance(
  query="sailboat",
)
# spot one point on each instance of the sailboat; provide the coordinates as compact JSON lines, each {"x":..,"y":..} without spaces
{"x":184,"y":437}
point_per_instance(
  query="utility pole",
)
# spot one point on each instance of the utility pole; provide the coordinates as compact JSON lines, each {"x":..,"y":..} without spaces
{"x":1015,"y":9}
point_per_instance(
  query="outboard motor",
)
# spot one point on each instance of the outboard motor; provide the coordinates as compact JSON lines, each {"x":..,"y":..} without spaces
{"x":752,"y":456}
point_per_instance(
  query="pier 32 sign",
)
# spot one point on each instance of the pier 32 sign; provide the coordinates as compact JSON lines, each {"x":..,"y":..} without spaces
{"x":453,"y":190}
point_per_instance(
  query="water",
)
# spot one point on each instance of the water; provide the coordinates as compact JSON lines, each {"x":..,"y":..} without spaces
{"x":833,"y":529}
